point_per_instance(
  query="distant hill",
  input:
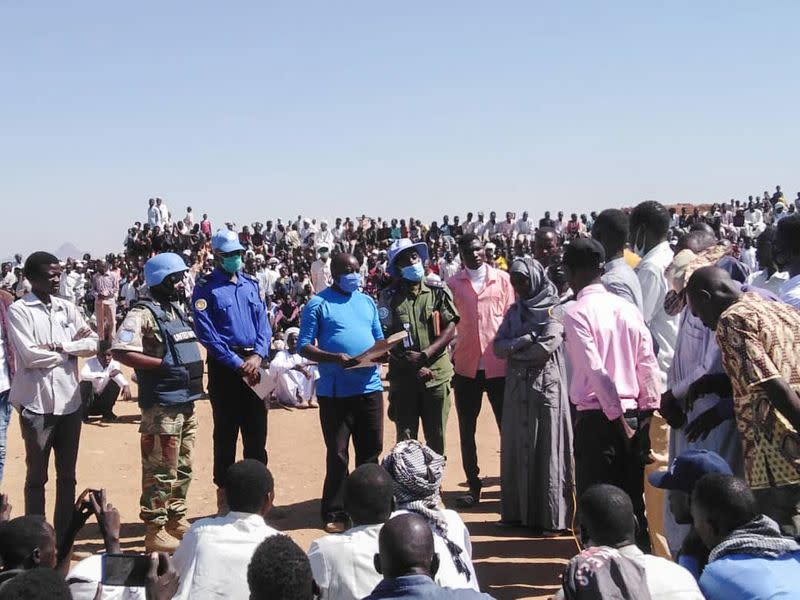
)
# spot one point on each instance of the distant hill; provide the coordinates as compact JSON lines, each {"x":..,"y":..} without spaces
{"x":68,"y":250}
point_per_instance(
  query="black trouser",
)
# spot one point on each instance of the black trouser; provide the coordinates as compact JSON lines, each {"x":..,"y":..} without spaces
{"x":602,"y":456}
{"x":98,"y":404}
{"x":43,"y":434}
{"x":469,"y":399}
{"x":235,"y":407}
{"x":359,"y":416}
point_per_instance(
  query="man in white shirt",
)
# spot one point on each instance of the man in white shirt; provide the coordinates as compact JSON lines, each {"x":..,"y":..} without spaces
{"x":786,"y":251}
{"x":129,"y":292}
{"x":272,"y":275}
{"x":165,"y":218}
{"x":324,"y":236}
{"x":306,"y":230}
{"x":468,"y":226}
{"x":524,"y":228}
{"x":770,"y":277}
{"x":101,"y":383}
{"x":606,"y":519}
{"x":559,"y":224}
{"x":490,"y":227}
{"x":48,"y":335}
{"x":213,"y":556}
{"x":476,"y":226}
{"x":294,"y":377}
{"x":748,"y":255}
{"x":649,"y":228}
{"x":69,"y":279}
{"x":449,"y":265}
{"x":754,"y":219}
{"x":153,"y":214}
{"x":188,"y":220}
{"x":343,"y":564}
{"x":321,"y":270}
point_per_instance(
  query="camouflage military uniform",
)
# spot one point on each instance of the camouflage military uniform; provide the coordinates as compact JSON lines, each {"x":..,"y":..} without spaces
{"x":168,"y":431}
{"x":411,"y":399}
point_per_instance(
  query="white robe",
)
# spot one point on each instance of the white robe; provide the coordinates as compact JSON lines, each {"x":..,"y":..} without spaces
{"x":289,"y":383}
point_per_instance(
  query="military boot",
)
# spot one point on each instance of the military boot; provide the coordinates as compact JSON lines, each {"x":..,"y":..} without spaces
{"x":157,"y":539}
{"x":177,"y":528}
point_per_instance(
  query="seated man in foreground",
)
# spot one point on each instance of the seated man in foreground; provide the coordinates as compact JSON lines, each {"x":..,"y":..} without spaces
{"x":749,"y":556}
{"x":607,"y":520}
{"x":343,"y":564}
{"x":408,"y":563}
{"x":213,"y":556}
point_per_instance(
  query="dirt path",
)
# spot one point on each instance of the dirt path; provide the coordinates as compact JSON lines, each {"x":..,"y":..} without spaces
{"x":509,"y":564}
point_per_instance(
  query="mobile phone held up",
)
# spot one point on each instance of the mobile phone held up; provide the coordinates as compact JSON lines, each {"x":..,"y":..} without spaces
{"x":129,"y":570}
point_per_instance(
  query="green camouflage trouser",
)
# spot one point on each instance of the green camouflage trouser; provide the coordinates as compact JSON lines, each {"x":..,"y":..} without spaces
{"x":168,"y":434}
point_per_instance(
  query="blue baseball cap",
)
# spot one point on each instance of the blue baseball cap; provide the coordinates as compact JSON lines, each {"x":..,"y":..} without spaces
{"x":687,"y":469}
{"x":225,"y":241}
{"x":161,"y":265}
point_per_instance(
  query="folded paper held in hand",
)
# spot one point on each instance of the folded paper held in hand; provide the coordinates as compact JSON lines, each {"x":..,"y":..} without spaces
{"x":369,"y":358}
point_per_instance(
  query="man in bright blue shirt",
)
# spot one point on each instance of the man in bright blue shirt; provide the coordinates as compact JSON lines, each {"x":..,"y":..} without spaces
{"x":231,"y":322}
{"x":344,"y":322}
{"x":750,"y":559}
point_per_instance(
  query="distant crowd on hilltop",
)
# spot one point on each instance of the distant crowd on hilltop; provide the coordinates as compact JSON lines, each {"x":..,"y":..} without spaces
{"x":642,"y":367}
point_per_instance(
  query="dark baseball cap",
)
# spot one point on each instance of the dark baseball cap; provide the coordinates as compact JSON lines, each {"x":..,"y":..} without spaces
{"x":584,"y":252}
{"x":687,"y":469}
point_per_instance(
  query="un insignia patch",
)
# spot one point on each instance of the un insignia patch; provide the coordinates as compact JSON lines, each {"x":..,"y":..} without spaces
{"x":383,"y":313}
{"x":125,"y":336}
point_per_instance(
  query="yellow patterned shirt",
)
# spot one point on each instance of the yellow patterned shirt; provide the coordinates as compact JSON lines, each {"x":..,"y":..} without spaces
{"x":760,"y":340}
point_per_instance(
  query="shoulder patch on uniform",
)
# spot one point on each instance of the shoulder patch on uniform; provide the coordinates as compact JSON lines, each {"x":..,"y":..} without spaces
{"x":125,"y":336}
{"x":383,"y":313}
{"x":435,"y":284}
{"x":201,"y":304}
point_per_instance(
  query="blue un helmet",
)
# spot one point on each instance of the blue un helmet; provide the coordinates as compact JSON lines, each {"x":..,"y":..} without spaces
{"x":161,"y":265}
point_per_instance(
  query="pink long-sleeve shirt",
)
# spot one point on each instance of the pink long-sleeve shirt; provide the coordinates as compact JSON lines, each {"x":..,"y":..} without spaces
{"x":610,"y":348}
{"x":481,"y":315}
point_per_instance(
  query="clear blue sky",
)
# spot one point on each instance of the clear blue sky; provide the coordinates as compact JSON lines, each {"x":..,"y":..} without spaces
{"x":255,"y":109}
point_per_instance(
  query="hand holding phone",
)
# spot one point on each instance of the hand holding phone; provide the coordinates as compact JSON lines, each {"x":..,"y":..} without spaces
{"x":128,"y":570}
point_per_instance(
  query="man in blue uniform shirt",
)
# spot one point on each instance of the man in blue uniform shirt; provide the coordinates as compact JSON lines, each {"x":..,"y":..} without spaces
{"x":231,"y":322}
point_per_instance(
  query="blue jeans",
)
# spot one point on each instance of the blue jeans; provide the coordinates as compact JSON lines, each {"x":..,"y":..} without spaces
{"x":5,"y":416}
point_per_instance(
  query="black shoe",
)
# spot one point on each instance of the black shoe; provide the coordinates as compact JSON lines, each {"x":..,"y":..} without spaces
{"x":109,"y":416}
{"x":469,"y":499}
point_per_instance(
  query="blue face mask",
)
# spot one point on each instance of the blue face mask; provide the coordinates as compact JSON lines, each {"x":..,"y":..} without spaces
{"x":350,"y":282}
{"x":413,"y":272}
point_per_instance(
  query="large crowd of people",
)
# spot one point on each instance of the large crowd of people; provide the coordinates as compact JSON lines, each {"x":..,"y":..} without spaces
{"x":642,"y":365}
